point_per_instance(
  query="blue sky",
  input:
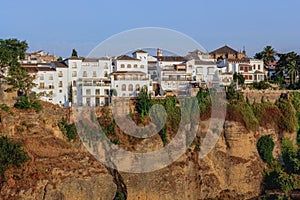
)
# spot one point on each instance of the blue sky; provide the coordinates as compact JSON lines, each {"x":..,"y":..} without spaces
{"x":58,"y":26}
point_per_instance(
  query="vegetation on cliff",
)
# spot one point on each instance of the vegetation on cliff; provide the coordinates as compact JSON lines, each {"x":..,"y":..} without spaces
{"x":11,"y":155}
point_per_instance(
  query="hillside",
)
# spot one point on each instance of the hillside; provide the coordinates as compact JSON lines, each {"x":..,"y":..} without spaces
{"x":59,"y":169}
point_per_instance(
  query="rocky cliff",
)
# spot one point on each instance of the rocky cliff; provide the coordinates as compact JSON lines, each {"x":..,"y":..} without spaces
{"x":59,"y":169}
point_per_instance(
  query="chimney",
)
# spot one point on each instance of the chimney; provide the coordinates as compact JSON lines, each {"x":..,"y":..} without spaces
{"x":159,"y":52}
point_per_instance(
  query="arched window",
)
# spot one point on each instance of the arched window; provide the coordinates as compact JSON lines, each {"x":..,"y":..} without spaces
{"x":130,"y":87}
{"x":105,"y":74}
{"x":122,"y":66}
{"x":128,"y":65}
{"x":123,"y":87}
{"x":74,"y":83}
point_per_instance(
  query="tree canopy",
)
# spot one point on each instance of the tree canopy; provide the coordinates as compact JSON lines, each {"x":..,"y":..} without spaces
{"x":74,"y":53}
{"x":11,"y":51}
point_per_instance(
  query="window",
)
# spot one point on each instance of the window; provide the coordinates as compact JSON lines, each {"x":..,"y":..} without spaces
{"x":137,"y":87}
{"x":254,"y":66}
{"x":84,"y":74}
{"x":106,"y":66}
{"x":246,"y":69}
{"x":50,"y":77}
{"x":60,"y":91}
{"x":88,"y":101}
{"x":105,"y":74}
{"x":142,"y":66}
{"x":250,"y":77}
{"x":190,"y":66}
{"x":128,"y":65}
{"x":94,"y":74}
{"x":210,"y":70}
{"x":241,"y":68}
{"x":246,"y":77}
{"x":130,"y":87}
{"x":122,"y":66}
{"x":74,"y":83}
{"x":75,"y":92}
{"x":250,"y":68}
{"x":258,"y":67}
{"x":60,"y":74}
{"x":51,"y":87}
{"x":88,"y":91}
{"x":74,"y":65}
{"x":106,"y":92}
{"x":199,"y":70}
{"x":42,"y":85}
{"x":97,"y":91}
{"x":60,"y":84}
{"x":123,"y":87}
{"x":42,"y":77}
{"x":74,"y":74}
{"x":135,"y":66}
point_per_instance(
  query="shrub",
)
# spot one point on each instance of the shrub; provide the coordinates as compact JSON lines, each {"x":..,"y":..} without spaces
{"x":144,"y":103}
{"x":119,"y":195}
{"x":11,"y":154}
{"x":288,"y":118}
{"x":4,"y":107}
{"x":69,"y":130}
{"x":262,"y":85}
{"x":290,"y":157}
{"x":204,"y":101}
{"x":27,"y":103}
{"x":163,"y":135}
{"x":265,"y":146}
{"x":242,"y":112}
{"x":266,"y":113}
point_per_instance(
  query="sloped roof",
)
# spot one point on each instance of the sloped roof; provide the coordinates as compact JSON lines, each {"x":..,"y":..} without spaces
{"x":203,"y":62}
{"x":223,"y":50}
{"x":139,"y":51}
{"x":59,"y":64}
{"x":125,"y":57}
{"x":241,"y":60}
{"x":170,"y":58}
{"x":45,"y":69}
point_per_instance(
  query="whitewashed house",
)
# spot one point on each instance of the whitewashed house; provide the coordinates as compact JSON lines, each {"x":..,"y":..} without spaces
{"x":130,"y":74}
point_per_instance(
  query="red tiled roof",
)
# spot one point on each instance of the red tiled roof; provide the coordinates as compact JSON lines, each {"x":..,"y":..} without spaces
{"x":223,"y":50}
{"x":58,"y":64}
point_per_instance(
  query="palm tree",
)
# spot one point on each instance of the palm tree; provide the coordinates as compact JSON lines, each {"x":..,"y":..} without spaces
{"x":267,"y":55}
{"x":287,"y":63}
{"x":292,"y":70}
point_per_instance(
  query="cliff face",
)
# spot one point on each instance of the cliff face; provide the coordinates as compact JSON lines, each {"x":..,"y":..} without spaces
{"x":59,"y":169}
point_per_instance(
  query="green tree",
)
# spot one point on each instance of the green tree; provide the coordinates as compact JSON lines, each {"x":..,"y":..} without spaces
{"x":265,"y":146}
{"x":11,"y":51}
{"x":71,"y":93}
{"x":292,"y":70}
{"x":11,"y":154}
{"x":144,"y":104}
{"x":59,"y":58}
{"x":287,"y":63}
{"x":74,"y":53}
{"x":237,"y":77}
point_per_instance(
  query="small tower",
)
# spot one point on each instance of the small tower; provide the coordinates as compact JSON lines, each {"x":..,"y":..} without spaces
{"x":159,"y":52}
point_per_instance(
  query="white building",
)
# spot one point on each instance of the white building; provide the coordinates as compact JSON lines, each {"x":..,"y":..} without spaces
{"x":130,"y":74}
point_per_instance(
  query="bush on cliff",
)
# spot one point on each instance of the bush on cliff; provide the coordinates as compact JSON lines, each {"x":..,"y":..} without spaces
{"x":288,"y":118}
{"x":11,"y":154}
{"x":265,"y":146}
